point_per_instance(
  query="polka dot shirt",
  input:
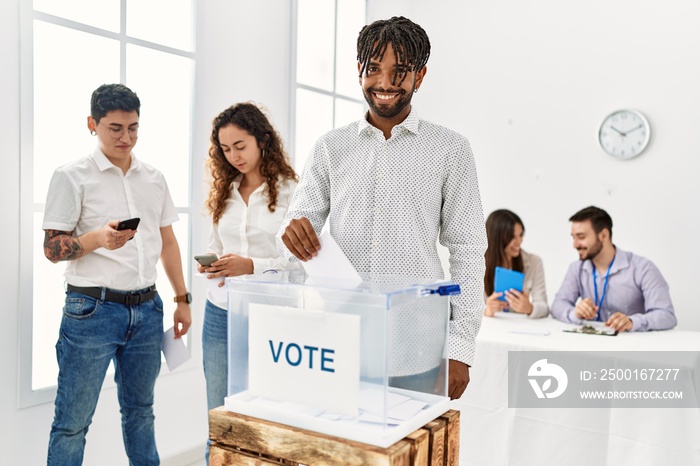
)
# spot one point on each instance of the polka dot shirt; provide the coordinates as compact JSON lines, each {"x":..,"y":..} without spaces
{"x":388,"y":201}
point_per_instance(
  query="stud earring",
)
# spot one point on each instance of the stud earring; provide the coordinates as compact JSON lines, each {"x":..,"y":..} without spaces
{"x":93,"y":132}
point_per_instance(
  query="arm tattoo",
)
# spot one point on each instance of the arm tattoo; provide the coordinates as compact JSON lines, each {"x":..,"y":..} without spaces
{"x":61,"y":246}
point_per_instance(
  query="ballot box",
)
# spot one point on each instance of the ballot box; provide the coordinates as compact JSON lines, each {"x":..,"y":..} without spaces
{"x":360,"y":360}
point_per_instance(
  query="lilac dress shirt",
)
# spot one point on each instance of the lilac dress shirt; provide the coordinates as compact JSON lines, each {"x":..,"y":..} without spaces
{"x":636,"y":288}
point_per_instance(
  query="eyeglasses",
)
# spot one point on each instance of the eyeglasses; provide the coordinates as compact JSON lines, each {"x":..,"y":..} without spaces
{"x":116,"y":133}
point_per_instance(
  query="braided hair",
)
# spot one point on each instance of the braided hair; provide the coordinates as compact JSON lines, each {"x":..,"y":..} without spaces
{"x":409,"y":41}
{"x":273,"y":166}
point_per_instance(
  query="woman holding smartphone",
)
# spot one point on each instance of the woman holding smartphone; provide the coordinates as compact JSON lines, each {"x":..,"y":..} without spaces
{"x":505,"y":231}
{"x":251,"y":186}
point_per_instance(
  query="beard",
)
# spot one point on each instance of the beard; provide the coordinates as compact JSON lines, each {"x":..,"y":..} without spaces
{"x":592,"y":251}
{"x":386,"y":110}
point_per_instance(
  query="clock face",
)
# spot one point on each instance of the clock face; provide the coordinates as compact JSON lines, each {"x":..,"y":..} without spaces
{"x":624,"y":134}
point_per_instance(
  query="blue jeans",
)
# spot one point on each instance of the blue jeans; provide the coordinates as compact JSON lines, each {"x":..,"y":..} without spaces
{"x":215,"y":354}
{"x":93,"y":333}
{"x":215,"y":357}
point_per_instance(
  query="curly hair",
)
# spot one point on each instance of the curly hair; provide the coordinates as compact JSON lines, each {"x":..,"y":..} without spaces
{"x":274,"y":165}
{"x":500,"y":230}
{"x":409,"y":41}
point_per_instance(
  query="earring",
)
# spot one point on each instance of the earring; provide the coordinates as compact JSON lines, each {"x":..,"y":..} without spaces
{"x":263,"y":153}
{"x":93,"y":132}
{"x":415,"y":91}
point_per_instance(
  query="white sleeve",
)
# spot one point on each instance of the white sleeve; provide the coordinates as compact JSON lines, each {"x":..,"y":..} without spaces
{"x":63,"y":204}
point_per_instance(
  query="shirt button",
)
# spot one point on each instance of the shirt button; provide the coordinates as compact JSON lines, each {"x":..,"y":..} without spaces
{"x":377,"y":210}
{"x":380,"y":176}
{"x":375,"y":244}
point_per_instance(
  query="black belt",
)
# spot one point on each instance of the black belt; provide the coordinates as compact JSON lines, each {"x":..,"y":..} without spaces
{"x":129,"y":298}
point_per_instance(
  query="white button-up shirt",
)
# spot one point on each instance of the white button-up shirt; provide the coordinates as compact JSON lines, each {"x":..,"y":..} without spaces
{"x":87,"y":194}
{"x":387,"y":201}
{"x":248,"y":230}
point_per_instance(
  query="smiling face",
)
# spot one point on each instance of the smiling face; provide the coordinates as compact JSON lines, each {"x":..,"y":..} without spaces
{"x":388,"y":87}
{"x":586,"y":241}
{"x":512,"y":249}
{"x":240,"y":148}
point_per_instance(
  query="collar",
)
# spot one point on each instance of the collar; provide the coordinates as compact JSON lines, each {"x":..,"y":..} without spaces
{"x":103,"y":162}
{"x":410,"y":124}
{"x":236,"y":183}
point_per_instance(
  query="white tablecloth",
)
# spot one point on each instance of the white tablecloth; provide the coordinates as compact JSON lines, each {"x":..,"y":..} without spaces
{"x":493,"y":434}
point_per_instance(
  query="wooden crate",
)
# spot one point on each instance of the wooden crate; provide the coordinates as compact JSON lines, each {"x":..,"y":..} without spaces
{"x":247,"y":441}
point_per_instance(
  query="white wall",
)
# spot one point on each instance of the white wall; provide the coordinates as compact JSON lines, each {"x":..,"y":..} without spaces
{"x":243,"y":55}
{"x":529,"y":82}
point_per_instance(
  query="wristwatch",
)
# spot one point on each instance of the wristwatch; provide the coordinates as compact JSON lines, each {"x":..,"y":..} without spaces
{"x":183,"y":298}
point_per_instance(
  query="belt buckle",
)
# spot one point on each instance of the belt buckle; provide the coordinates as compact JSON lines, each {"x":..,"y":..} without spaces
{"x":129,"y":299}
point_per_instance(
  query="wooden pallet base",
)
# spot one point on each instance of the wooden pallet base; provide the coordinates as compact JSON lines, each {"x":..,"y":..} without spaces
{"x":238,"y":439}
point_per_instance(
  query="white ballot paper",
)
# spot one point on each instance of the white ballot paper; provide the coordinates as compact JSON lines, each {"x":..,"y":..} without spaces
{"x":175,"y":351}
{"x":330,"y":262}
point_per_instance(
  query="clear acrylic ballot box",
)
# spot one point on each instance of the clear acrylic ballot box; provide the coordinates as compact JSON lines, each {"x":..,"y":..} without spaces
{"x":361,"y":361}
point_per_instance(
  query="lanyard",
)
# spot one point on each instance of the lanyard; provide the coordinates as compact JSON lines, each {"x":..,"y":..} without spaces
{"x":599,"y":305}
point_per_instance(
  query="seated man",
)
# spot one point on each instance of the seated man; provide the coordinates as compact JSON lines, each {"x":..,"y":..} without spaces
{"x":625,"y":291}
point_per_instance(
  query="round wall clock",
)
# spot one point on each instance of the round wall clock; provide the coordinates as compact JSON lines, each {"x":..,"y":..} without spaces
{"x":624,"y":134}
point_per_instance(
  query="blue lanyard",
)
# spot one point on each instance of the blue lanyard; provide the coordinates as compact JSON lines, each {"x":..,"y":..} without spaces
{"x":599,"y":305}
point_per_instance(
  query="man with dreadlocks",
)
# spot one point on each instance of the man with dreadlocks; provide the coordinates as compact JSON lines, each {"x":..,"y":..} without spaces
{"x":391,"y":183}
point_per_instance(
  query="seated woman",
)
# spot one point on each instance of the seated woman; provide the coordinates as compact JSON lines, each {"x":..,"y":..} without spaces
{"x":504,"y":231}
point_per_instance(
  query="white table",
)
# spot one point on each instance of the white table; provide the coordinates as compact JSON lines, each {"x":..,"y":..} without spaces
{"x":493,"y":434}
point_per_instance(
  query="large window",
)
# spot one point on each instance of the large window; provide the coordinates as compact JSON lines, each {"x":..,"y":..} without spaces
{"x":69,"y":48}
{"x":326,"y":92}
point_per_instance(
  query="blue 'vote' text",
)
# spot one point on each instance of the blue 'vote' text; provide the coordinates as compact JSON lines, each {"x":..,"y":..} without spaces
{"x":294,"y":355}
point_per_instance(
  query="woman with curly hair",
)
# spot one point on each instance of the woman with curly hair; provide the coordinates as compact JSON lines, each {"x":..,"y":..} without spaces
{"x":251,"y":186}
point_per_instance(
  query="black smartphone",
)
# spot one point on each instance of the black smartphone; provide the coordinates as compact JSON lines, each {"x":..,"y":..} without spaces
{"x":129,"y":224}
{"x":205,"y":260}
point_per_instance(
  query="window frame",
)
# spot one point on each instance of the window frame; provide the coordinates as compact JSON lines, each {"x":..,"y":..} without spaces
{"x":27,"y":396}
{"x":295,"y":85}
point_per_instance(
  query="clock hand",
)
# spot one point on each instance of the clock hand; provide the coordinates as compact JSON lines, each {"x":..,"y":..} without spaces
{"x":634,"y":129}
{"x":620,"y":132}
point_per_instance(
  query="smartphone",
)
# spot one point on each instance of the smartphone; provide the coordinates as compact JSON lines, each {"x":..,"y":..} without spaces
{"x":205,"y":260}
{"x":129,"y":224}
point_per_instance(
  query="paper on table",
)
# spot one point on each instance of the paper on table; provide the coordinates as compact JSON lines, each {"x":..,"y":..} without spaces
{"x":406,"y":410}
{"x":372,"y":400}
{"x":543,"y":332}
{"x":175,"y":351}
{"x":593,"y":327}
{"x":331,"y":262}
{"x":377,"y":419}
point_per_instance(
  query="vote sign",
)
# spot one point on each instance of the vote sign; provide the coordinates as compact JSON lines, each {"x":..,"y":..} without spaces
{"x":306,"y":357}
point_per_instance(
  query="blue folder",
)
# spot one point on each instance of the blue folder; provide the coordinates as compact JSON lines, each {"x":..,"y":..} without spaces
{"x":506,"y":279}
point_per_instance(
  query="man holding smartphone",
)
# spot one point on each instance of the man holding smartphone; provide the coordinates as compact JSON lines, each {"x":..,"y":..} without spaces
{"x":112,"y":310}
